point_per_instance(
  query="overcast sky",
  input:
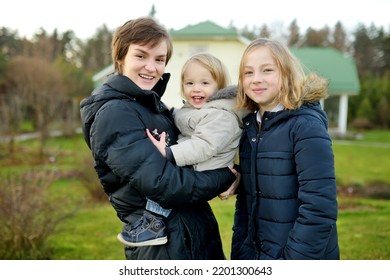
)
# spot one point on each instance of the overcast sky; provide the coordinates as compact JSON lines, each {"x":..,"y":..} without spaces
{"x":84,"y":17}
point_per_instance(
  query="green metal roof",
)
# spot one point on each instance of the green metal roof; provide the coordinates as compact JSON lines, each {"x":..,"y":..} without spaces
{"x":206,"y":29}
{"x":339,"y":69}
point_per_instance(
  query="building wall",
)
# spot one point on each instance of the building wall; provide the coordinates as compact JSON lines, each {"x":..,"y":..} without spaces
{"x":229,"y":52}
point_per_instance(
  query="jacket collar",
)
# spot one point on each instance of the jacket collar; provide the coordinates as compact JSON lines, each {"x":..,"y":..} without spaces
{"x":149,"y":98}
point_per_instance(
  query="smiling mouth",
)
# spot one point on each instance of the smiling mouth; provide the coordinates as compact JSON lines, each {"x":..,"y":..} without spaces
{"x":146,"y":77}
{"x":259,"y":90}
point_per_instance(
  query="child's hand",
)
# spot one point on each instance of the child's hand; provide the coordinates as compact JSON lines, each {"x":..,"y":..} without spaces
{"x":158,"y":140}
{"x":232,"y":189}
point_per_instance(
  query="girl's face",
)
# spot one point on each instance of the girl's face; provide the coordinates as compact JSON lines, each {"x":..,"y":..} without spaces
{"x":261,"y":78}
{"x":145,"y":65}
{"x":198,"y":84}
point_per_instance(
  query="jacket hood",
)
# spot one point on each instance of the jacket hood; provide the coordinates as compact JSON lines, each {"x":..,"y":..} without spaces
{"x":314,"y":110}
{"x":315,"y":88}
{"x":228,"y":92}
{"x":226,"y":99}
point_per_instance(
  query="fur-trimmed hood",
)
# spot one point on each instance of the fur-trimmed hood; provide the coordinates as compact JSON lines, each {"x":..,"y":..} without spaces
{"x":228,"y":92}
{"x":226,"y":99}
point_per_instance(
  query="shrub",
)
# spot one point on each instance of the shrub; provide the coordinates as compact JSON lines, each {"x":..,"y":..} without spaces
{"x":361,"y":123}
{"x":29,"y":214}
{"x":90,"y":181}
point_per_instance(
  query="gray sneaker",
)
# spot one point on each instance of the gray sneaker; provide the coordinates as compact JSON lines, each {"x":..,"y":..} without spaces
{"x":149,"y":230}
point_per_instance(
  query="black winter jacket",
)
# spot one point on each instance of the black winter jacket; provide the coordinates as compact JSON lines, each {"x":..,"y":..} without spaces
{"x":130,"y":168}
{"x":286,"y":206}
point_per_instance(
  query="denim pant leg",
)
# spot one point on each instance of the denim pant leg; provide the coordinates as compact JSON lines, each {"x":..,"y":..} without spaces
{"x":156,"y":208}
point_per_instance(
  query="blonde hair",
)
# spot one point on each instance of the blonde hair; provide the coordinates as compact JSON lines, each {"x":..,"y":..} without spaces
{"x":212,"y":64}
{"x":296,"y":87}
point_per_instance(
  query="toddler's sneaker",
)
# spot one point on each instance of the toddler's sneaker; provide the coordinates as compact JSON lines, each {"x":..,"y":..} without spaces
{"x":149,"y":230}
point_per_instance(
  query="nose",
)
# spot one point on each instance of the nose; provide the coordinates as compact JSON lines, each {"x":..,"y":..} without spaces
{"x":257,"y":77}
{"x":150,"y":65}
{"x":196,"y":87}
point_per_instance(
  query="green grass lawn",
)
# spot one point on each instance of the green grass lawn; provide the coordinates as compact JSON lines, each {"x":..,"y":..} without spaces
{"x":89,"y":235}
{"x":363,"y":226}
{"x":364,"y":229}
{"x":364,"y":223}
{"x":365,"y":162}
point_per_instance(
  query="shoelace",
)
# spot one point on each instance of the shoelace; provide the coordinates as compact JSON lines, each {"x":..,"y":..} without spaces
{"x":139,"y":226}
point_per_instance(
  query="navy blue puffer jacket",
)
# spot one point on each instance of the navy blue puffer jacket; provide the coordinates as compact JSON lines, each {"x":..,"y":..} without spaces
{"x":286,"y":206}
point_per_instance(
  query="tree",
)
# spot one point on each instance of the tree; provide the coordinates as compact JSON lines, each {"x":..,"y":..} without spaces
{"x":48,"y":46}
{"x":383,"y":112}
{"x":248,"y":34}
{"x":9,"y":43}
{"x":382,"y":43}
{"x":12,"y":112}
{"x":386,"y":52}
{"x":317,"y":38}
{"x":3,"y":66}
{"x":294,"y":36}
{"x":264,"y":32}
{"x":364,"y":50}
{"x":339,"y":38}
{"x":96,"y":52}
{"x":77,"y":86}
{"x":152,"y":12}
{"x":40,"y":86}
